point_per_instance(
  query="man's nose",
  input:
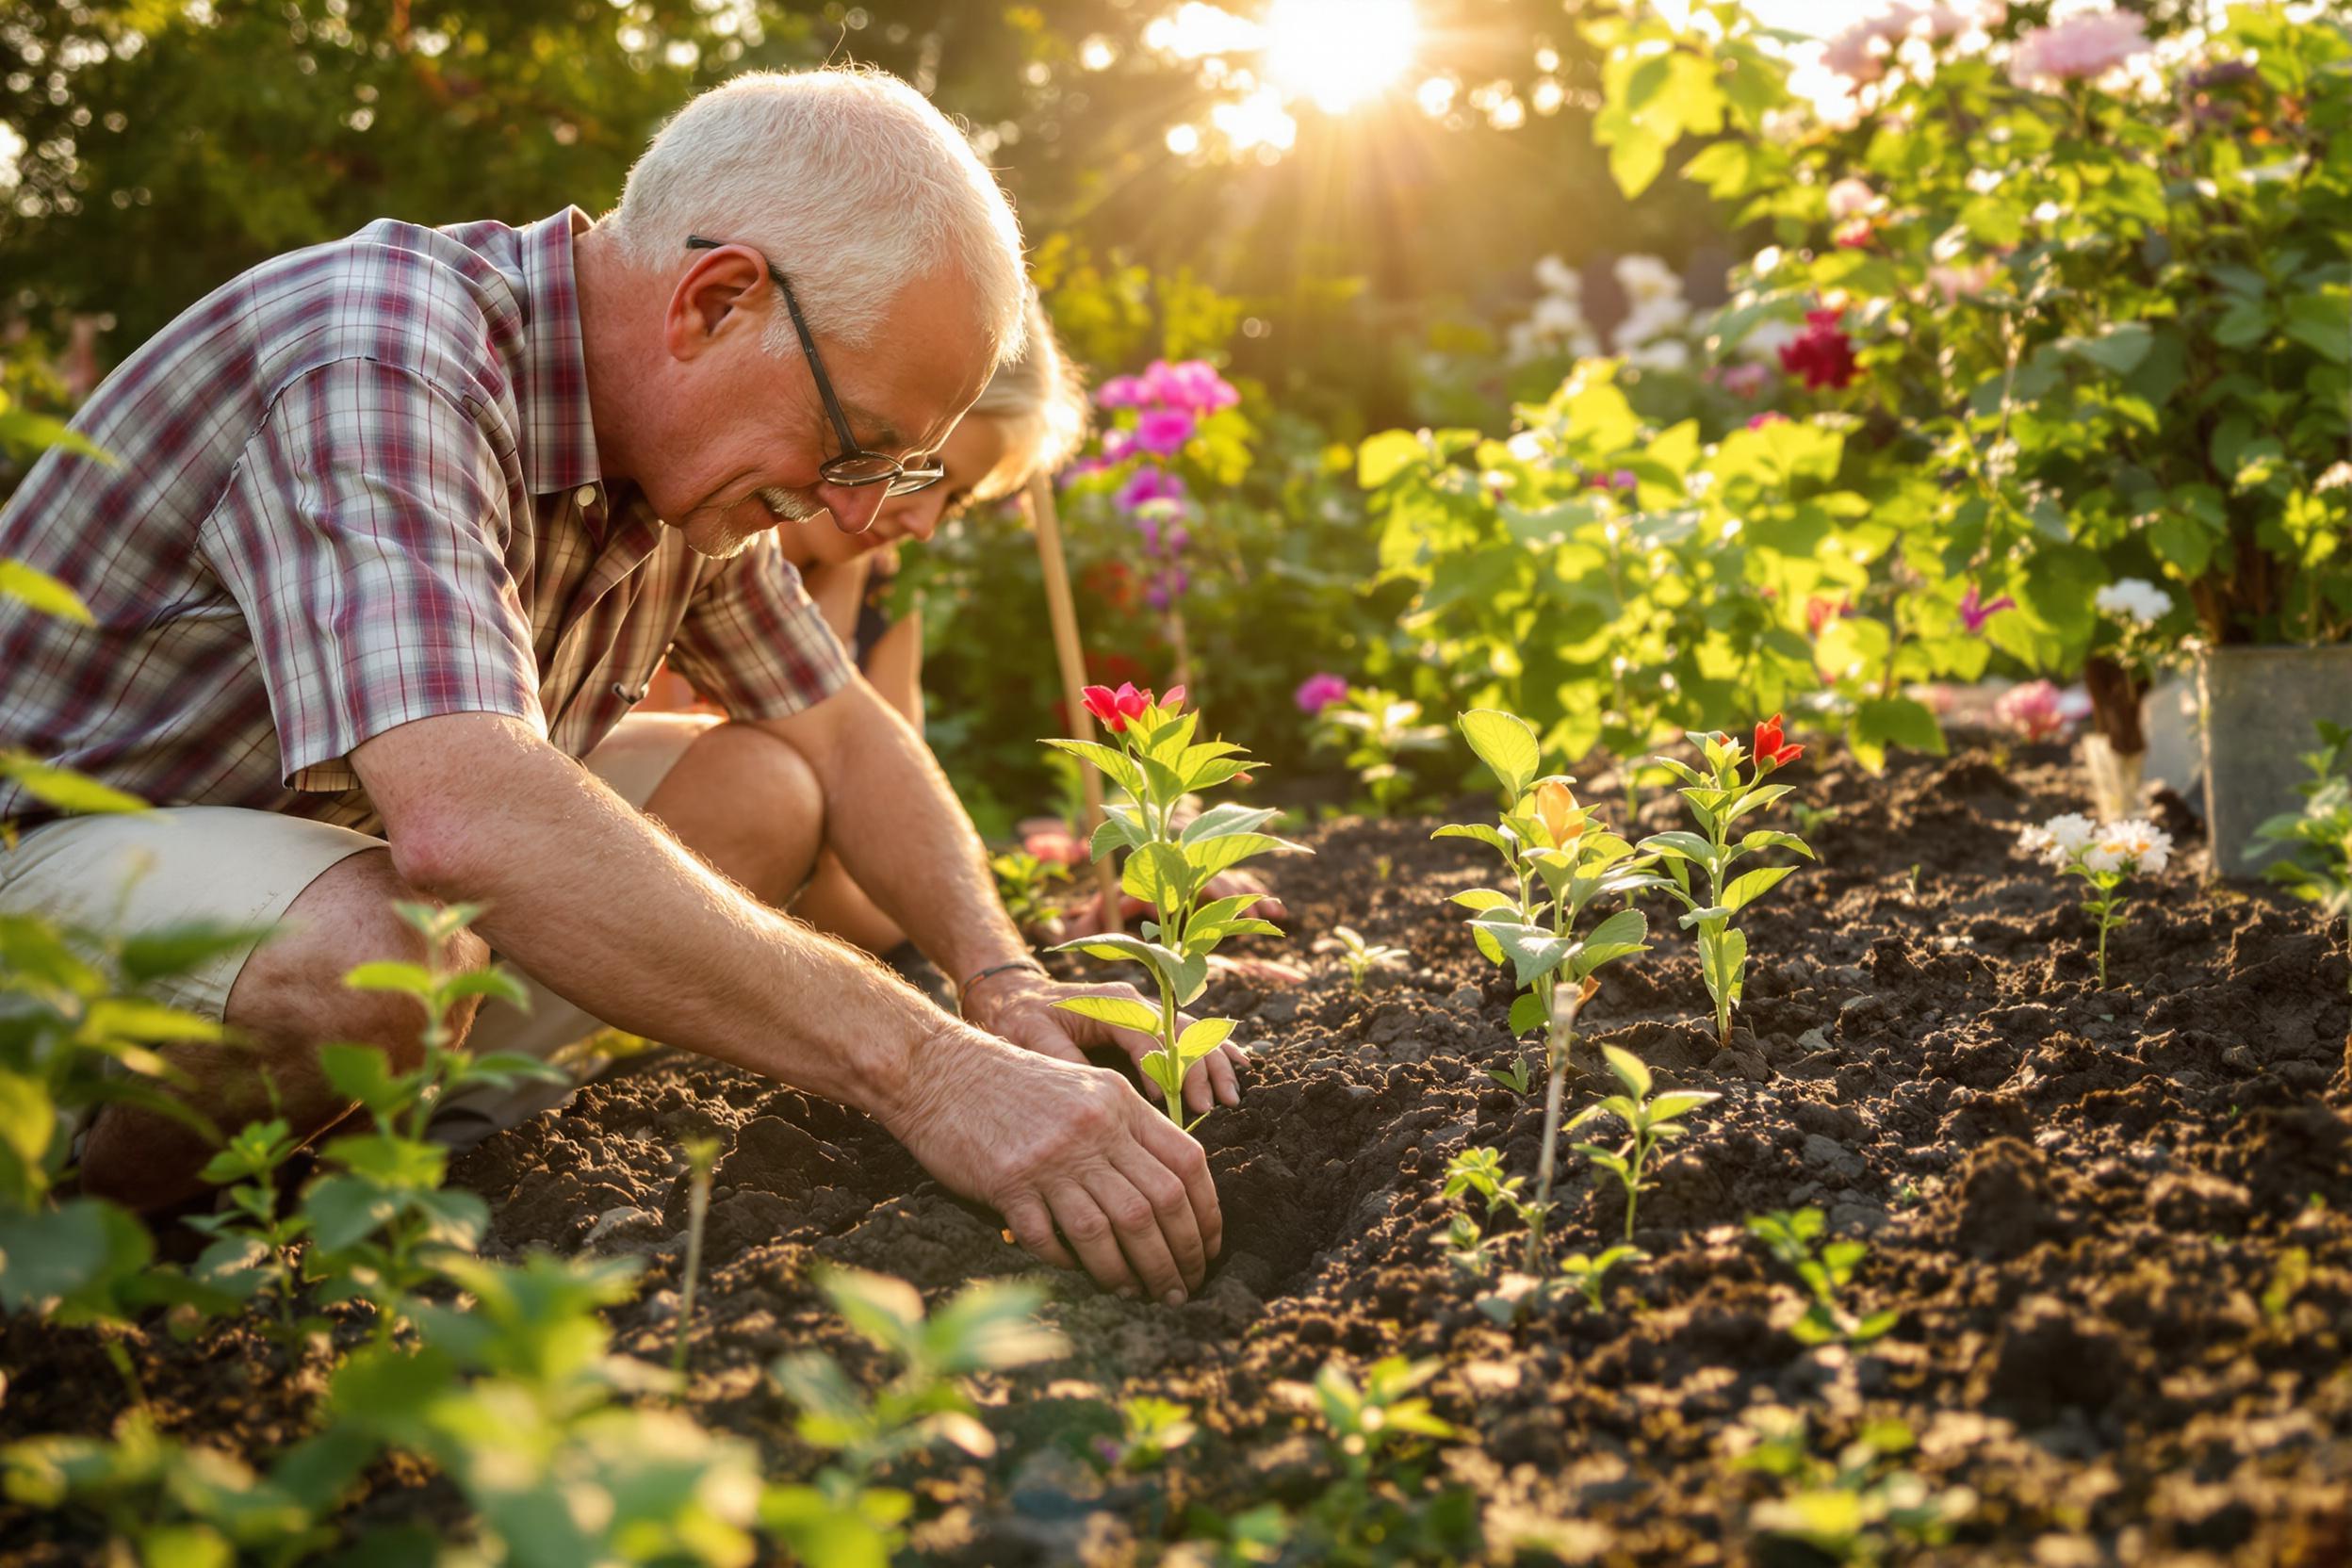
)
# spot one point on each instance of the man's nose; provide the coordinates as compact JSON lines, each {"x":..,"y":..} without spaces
{"x":854,"y":506}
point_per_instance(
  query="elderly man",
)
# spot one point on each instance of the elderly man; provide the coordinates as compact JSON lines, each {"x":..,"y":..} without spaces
{"x":400,"y":525}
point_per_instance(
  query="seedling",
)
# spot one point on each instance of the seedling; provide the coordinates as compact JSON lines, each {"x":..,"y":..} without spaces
{"x":843,"y":1516}
{"x":1479,"y":1171}
{"x":1360,"y":958}
{"x":702,"y":1156}
{"x":1589,"y":1275}
{"x":380,"y":1214}
{"x":1823,"y":1274}
{"x":2316,"y":841}
{"x":1518,"y":1077}
{"x":1148,"y":1431}
{"x":1027,"y":887}
{"x":2105,"y":856}
{"x":1560,"y":859}
{"x":1649,"y":1119}
{"x":251,"y":1251}
{"x":1717,"y":799}
{"x":2287,"y":1278}
{"x":1156,"y":764}
{"x":1374,"y":727}
{"x":1855,"y":1511}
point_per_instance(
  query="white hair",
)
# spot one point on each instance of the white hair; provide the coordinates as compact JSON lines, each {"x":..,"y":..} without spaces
{"x":848,"y":179}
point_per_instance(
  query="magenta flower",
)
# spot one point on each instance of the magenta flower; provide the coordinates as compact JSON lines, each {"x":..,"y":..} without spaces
{"x":1147,"y":485}
{"x":1122,"y":392}
{"x":1166,"y":587}
{"x":1974,"y":612}
{"x":1769,"y":416}
{"x":1161,"y":431}
{"x":1318,"y":692}
{"x":1191,"y":384}
{"x":1117,"y":445}
{"x":2034,"y":712}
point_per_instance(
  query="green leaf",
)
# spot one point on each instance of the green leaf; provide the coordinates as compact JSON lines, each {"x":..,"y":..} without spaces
{"x":1383,"y":456}
{"x":134,"y":1018}
{"x":66,"y":789}
{"x":1680,"y":1102}
{"x":43,"y":593}
{"x":174,"y":950}
{"x":1772,"y":838}
{"x":1745,"y":889}
{"x":73,"y":1255}
{"x":1116,"y":764}
{"x":361,"y":1072}
{"x":490,"y":981}
{"x":1506,"y":743}
{"x":385,"y":976}
{"x":392,"y":1163}
{"x":2118,"y":349}
{"x":1204,"y":1036}
{"x":1883,"y":722}
{"x":1625,"y":932}
{"x":1630,"y":1068}
{"x":1479,"y":900}
{"x":1160,"y":875}
{"x":1221,"y":854}
{"x":1225,"y":817}
{"x":1534,"y":951}
{"x":1119,"y":1012}
{"x":1492,"y":837}
{"x":1680,"y":843}
{"x":1528,"y":1013}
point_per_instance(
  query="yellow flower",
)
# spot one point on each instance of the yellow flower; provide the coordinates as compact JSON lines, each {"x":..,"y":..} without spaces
{"x":1555,"y":807}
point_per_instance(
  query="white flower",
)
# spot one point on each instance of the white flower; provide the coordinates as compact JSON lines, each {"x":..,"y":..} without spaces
{"x":1646,"y":278}
{"x":2335,"y":478}
{"x":1527,"y":445}
{"x":2071,"y":831}
{"x":1556,"y":316}
{"x":2145,"y":847}
{"x":1557,"y":277}
{"x":2103,"y":858}
{"x":1649,"y":321}
{"x":1665,"y":353}
{"x":2135,"y":598}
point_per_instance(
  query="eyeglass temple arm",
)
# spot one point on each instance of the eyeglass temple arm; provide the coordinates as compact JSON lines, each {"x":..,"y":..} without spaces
{"x":808,"y":344}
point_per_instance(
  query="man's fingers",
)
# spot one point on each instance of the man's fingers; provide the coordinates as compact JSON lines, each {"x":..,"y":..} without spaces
{"x":1224,"y":1082}
{"x":1138,"y":1220}
{"x":1032,"y":1227}
{"x":1178,"y":1227}
{"x":1045,"y":1039}
{"x":1095,"y":1236}
{"x":1174,"y":1149}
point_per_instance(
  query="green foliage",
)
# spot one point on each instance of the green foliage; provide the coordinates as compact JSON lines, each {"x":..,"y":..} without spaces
{"x":842,"y":1516}
{"x":1717,"y":799}
{"x":1649,"y":1121}
{"x":1026,"y":885}
{"x":1825,"y":1272}
{"x":1372,"y":729}
{"x":1168,"y":866}
{"x":2314,"y":846}
{"x":1858,"y":1508}
{"x":1150,"y":1430}
{"x":2101,"y":332}
{"x":1361,"y":957}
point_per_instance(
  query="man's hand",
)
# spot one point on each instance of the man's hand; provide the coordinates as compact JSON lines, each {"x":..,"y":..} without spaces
{"x":1018,"y":1005}
{"x":1084,"y":1174}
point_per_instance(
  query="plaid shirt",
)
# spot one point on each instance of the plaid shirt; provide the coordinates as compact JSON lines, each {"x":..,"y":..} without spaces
{"x":358,"y":486}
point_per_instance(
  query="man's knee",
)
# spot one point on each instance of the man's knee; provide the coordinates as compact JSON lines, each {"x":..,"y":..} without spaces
{"x":748,"y":803}
{"x":761,"y":773}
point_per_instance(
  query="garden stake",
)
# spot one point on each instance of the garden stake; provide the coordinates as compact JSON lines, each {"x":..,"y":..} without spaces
{"x":1061,"y":610}
{"x":1567,"y":1001}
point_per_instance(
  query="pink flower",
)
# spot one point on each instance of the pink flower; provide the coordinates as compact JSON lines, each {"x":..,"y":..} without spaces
{"x":1147,"y":485}
{"x":1855,"y":236}
{"x":1822,"y":353}
{"x":1769,"y":416}
{"x":1056,"y":846}
{"x":2034,"y":712}
{"x":1122,"y":392}
{"x":1191,"y":384}
{"x":1116,"y":708}
{"x":1318,"y":692}
{"x":1819,"y":611}
{"x":1974,"y":612}
{"x":1964,"y":283}
{"x":1746,"y":381}
{"x":1117,"y":445}
{"x":1163,"y":431}
{"x":1850,"y":198}
{"x":2081,"y":46}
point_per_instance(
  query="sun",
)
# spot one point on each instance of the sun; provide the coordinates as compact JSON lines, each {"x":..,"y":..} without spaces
{"x":1339,"y":53}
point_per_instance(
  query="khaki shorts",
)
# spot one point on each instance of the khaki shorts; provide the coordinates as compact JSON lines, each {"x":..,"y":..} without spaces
{"x":246,"y":868}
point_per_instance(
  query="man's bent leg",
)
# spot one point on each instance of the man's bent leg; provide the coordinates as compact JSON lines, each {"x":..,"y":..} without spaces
{"x":326,"y":891}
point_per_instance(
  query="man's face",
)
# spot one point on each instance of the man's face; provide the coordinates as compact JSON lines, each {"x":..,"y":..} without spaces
{"x":747,"y":431}
{"x":972,"y":452}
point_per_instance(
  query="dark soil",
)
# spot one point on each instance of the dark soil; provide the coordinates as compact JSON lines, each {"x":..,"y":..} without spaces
{"x":2079,"y":1201}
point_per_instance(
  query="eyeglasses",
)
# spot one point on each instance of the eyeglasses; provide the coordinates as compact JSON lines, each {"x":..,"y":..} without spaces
{"x":856,"y":467}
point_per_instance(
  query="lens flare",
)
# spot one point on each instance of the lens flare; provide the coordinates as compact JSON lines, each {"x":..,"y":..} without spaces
{"x":1339,"y":53}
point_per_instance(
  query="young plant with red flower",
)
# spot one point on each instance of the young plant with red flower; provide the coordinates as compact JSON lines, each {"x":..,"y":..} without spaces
{"x":1718,"y":799}
{"x":1561,"y":860}
{"x":1171,"y":861}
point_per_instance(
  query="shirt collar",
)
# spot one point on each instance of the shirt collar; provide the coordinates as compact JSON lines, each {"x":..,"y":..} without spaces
{"x":560,"y":447}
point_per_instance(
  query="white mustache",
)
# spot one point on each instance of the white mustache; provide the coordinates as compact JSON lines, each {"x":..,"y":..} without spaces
{"x":792,"y":505}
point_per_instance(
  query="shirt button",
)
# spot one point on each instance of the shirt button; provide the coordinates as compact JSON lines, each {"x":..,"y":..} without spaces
{"x":586,"y":497}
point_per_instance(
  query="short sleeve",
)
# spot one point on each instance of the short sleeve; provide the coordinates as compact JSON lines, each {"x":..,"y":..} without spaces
{"x":754,"y":642}
{"x":363,"y":536}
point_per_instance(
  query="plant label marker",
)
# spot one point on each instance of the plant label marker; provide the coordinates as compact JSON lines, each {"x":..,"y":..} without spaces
{"x":1061,"y":609}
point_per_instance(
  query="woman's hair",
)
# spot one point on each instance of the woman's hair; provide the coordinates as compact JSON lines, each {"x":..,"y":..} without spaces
{"x":849,"y":180}
{"x":1039,"y":398}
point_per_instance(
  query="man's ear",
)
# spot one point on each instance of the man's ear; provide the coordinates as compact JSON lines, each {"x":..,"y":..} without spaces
{"x":723,"y":289}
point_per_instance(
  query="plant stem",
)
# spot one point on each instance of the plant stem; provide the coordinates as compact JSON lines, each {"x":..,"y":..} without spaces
{"x":1566,"y":1000}
{"x":698,"y":1211}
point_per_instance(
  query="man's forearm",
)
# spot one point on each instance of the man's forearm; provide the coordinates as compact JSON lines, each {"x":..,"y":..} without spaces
{"x":905,"y":838}
{"x":614,"y":915}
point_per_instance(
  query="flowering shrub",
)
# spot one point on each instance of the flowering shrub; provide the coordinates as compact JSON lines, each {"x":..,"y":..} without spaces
{"x":2105,"y":855}
{"x":2314,"y":845}
{"x":2032,"y":710}
{"x":1169,"y":864}
{"x":1717,"y":799}
{"x":2094,"y":281}
{"x":1373,"y":727}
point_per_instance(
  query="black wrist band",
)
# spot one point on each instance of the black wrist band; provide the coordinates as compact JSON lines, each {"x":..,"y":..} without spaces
{"x":965,"y":990}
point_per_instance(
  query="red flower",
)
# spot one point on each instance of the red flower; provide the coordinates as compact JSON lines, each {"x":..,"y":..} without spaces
{"x":1822,"y":354}
{"x":1174,"y":700}
{"x":1769,"y":748}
